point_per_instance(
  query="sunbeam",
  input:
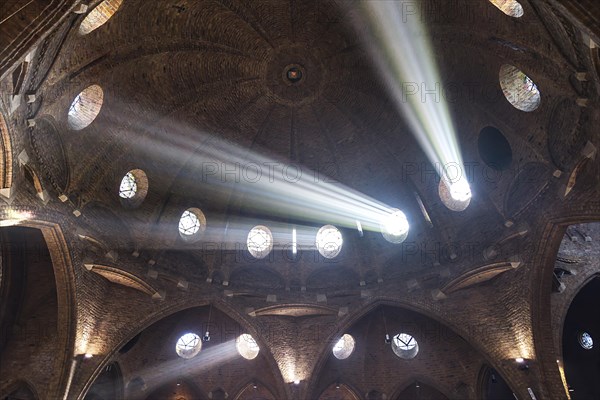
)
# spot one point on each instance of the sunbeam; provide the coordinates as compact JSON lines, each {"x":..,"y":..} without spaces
{"x":393,"y":31}
{"x":206,"y":360}
{"x":271,"y":187}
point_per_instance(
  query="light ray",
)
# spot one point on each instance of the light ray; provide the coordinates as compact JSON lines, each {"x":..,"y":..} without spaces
{"x":207,"y":359}
{"x":399,"y":42}
{"x":272,"y":187}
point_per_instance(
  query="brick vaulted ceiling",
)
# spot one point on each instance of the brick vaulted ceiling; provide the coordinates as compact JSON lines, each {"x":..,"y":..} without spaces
{"x":183,"y":78}
{"x":177,"y":75}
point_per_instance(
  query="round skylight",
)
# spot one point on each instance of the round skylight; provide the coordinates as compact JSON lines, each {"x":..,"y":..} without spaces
{"x":188,"y":345}
{"x":394,"y":226}
{"x":586,"y":341}
{"x":460,"y":191}
{"x":260,"y":241}
{"x":133,"y":187}
{"x":457,"y":197}
{"x":247,"y":346}
{"x":128,"y":187}
{"x":99,"y":16}
{"x":512,"y":8}
{"x":85,"y":107}
{"x":519,"y":89}
{"x":329,"y":241}
{"x":344,"y":347}
{"x":405,"y":346}
{"x":192,"y":224}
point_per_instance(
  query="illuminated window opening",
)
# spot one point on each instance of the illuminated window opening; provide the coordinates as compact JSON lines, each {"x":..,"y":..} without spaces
{"x":394,"y":226}
{"x":457,"y":197}
{"x":519,"y":89}
{"x":260,"y":241}
{"x":329,"y":241}
{"x":128,"y":187}
{"x":405,"y":346}
{"x":99,"y":16}
{"x":133,"y":188}
{"x":586,"y":341}
{"x":188,"y":345}
{"x":512,"y":8}
{"x":344,"y":347}
{"x":85,"y":107}
{"x":247,"y":346}
{"x":192,"y":224}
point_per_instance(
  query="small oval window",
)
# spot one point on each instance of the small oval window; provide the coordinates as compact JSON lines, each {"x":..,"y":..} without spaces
{"x":85,"y":107}
{"x":519,"y":89}
{"x":512,"y":8}
{"x":405,"y":346}
{"x":344,"y":347}
{"x":133,"y":188}
{"x":99,"y":16}
{"x":188,"y":345}
{"x":494,"y":149}
{"x":329,"y":241}
{"x":192,"y":224}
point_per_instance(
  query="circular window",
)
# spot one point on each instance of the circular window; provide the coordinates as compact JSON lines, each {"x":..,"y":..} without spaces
{"x":85,"y":107}
{"x":134,"y":187}
{"x":394,"y":227}
{"x":405,"y":346}
{"x":586,"y":341}
{"x":512,"y":8}
{"x":192,"y":224}
{"x":344,"y":347}
{"x":99,"y":16}
{"x":457,"y":197}
{"x":329,"y":241}
{"x":494,"y":149}
{"x":188,"y":345}
{"x":128,"y":188}
{"x":519,"y":89}
{"x":260,"y":241}
{"x":247,"y":346}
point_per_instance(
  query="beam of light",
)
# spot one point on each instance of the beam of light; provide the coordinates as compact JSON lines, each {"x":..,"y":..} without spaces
{"x":303,"y":197}
{"x":208,"y":359}
{"x":269,"y":186}
{"x":400,"y":46}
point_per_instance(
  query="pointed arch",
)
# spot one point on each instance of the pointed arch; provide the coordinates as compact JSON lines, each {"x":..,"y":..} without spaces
{"x":550,"y":238}
{"x":63,"y":284}
{"x":419,"y":388}
{"x":581,"y":341}
{"x":386,"y":302}
{"x":178,"y":388}
{"x":255,"y":390}
{"x":339,"y":391}
{"x":109,"y":384}
{"x":220,"y":306}
{"x":23,"y":390}
{"x":491,"y":385}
